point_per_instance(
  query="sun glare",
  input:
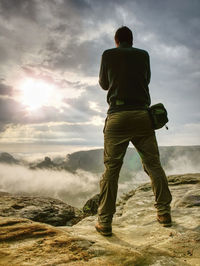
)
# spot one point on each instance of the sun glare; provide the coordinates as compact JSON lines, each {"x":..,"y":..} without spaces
{"x":36,"y":93}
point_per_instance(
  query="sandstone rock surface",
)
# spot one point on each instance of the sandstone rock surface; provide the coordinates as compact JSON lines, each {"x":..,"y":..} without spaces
{"x":137,"y":237}
{"x":24,"y":242}
{"x":39,"y":209}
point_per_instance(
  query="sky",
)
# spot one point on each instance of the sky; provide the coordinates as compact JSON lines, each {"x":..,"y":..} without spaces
{"x":50,"y":53}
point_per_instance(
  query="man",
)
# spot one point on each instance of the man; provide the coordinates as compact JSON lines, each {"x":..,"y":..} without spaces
{"x":125,"y":74}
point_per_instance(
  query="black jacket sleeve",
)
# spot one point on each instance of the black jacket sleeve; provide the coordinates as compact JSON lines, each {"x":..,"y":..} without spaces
{"x":103,"y":74}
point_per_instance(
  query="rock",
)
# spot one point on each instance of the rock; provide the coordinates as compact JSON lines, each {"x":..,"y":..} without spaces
{"x":184,"y":179}
{"x":92,"y":160}
{"x":40,"y":209}
{"x":91,"y":205}
{"x":47,"y":163}
{"x":7,"y":158}
{"x":138,"y":239}
{"x":192,"y":200}
{"x":144,"y":187}
{"x":189,"y":199}
{"x":174,"y":180}
{"x":24,"y":242}
{"x":135,"y":228}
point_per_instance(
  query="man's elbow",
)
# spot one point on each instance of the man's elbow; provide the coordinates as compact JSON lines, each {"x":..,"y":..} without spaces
{"x":103,"y":85}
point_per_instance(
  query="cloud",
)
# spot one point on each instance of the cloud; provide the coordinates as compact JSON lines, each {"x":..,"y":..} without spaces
{"x":186,"y":134}
{"x":5,"y":89}
{"x":175,"y":24}
{"x":20,"y":8}
{"x":74,"y":189}
{"x":56,"y":133}
{"x":61,"y":42}
{"x":11,"y":111}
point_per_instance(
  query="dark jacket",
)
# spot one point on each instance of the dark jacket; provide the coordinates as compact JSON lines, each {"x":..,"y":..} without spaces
{"x":125,"y":73}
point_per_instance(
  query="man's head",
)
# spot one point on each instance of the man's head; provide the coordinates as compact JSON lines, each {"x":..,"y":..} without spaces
{"x":123,"y":34}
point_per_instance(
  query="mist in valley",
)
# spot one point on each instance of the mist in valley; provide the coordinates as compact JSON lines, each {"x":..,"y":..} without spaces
{"x":82,"y":183}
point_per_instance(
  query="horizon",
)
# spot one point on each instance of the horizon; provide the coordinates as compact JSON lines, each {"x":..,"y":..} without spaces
{"x":51,"y":53}
{"x":38,"y":152}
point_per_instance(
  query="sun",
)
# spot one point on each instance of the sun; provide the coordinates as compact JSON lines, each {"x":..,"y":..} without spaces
{"x":35,"y":93}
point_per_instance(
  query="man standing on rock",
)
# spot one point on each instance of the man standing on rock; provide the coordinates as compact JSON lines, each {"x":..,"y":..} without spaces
{"x":125,"y":74}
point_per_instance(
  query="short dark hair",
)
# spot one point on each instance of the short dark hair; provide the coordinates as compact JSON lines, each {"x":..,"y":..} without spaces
{"x":124,"y":34}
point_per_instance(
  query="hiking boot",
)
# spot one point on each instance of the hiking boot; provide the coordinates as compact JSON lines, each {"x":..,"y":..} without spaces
{"x":105,"y":231}
{"x":165,"y":219}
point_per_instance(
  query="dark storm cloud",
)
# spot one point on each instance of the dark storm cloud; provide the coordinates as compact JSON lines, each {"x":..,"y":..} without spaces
{"x":19,"y":8}
{"x":77,"y":56}
{"x":67,"y":48}
{"x":11,"y":111}
{"x":174,"y":22}
{"x":173,"y":26}
{"x":5,"y":89}
{"x":65,"y":21}
{"x":80,"y":107}
{"x":58,"y":27}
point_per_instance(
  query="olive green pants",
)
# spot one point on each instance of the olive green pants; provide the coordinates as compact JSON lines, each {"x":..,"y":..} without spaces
{"x":121,"y":128}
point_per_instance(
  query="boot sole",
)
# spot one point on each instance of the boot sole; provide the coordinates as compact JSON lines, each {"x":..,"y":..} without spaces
{"x":109,"y":233}
{"x":169,"y":224}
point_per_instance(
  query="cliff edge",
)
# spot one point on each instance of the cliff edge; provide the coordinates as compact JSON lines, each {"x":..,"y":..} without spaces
{"x":137,"y":237}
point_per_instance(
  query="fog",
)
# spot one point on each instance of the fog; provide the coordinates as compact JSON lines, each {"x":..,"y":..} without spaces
{"x":183,"y":165}
{"x":76,"y":189}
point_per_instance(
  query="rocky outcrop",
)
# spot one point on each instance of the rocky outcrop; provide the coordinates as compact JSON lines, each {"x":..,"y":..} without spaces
{"x":24,"y":242}
{"x":92,"y":160}
{"x":138,"y":239}
{"x":7,"y":158}
{"x":91,"y":206}
{"x":40,"y":209}
{"x":187,"y":157}
{"x":46,"y":163}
